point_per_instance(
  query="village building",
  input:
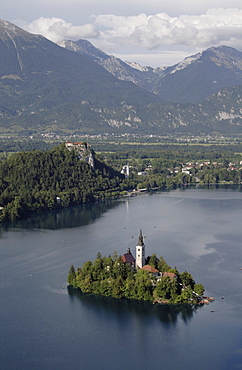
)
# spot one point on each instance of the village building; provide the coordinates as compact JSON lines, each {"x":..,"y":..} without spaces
{"x":151,"y":270}
{"x":171,"y":275}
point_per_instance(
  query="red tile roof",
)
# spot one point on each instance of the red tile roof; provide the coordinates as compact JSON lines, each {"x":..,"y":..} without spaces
{"x":150,"y":269}
{"x":169,"y":274}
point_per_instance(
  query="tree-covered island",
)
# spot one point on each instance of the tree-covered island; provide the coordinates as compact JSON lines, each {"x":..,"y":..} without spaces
{"x":148,"y":279}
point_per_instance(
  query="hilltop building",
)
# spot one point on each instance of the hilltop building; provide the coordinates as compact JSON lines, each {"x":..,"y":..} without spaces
{"x":83,"y":150}
{"x":151,"y":269}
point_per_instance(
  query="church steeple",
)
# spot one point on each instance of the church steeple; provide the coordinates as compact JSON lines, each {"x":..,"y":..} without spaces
{"x":140,"y":252}
{"x":140,"y":240}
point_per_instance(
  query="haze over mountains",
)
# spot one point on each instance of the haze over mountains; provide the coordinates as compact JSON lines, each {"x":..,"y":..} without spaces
{"x":77,"y":88}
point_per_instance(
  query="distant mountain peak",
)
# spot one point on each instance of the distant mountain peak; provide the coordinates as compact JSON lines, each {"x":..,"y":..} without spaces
{"x":226,"y":56}
{"x":137,"y":66}
{"x":8,"y":29}
{"x":84,"y":47}
{"x":186,"y":62}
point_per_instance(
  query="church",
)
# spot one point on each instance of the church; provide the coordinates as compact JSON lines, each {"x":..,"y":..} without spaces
{"x":139,"y":260}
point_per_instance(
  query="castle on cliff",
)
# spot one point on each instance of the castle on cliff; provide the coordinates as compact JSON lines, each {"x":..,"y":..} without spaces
{"x":83,"y":151}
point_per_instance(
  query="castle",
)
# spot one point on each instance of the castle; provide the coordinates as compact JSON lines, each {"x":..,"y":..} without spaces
{"x":83,"y":150}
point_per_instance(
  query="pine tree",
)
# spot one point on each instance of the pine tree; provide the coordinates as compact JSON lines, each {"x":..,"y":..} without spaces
{"x":71,"y":279}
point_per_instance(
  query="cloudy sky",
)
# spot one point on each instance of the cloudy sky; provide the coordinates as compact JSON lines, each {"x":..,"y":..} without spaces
{"x":150,"y":32}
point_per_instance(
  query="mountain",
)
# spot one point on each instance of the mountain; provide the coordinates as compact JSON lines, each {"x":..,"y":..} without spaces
{"x":192,"y":80}
{"x":45,"y":85}
{"x":144,"y":77}
{"x":220,"y":113}
{"x":47,"y":88}
{"x":201,"y":75}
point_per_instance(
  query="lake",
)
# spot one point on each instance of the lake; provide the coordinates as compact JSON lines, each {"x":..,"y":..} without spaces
{"x":47,"y":325}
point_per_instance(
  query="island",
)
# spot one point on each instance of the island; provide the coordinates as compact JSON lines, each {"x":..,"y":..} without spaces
{"x":141,"y":278}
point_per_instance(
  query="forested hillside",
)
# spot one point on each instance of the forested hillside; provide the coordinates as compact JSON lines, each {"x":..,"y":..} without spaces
{"x":36,"y":181}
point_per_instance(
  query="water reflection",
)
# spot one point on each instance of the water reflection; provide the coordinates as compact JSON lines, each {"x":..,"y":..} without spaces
{"x":64,"y":218}
{"x":167,"y":314}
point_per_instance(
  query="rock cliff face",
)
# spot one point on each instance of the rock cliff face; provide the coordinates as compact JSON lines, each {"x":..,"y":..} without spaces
{"x":84,"y":151}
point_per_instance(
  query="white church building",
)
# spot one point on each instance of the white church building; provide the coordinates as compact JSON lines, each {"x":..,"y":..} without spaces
{"x":139,"y":260}
{"x":140,"y":252}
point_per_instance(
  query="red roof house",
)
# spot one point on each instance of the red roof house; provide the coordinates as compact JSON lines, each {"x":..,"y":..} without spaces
{"x":169,"y":274}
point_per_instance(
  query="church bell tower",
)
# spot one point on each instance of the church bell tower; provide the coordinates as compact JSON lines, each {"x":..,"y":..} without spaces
{"x":140,"y":252}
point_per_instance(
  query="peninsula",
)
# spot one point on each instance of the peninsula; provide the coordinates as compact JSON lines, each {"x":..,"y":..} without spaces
{"x":149,"y":279}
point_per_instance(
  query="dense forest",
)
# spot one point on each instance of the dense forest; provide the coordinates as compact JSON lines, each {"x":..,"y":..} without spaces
{"x":109,"y":276}
{"x":40,"y":180}
{"x":37,"y":181}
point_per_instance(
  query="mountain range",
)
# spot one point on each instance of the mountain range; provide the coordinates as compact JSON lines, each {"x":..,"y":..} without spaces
{"x":192,"y":80}
{"x":74,"y":87}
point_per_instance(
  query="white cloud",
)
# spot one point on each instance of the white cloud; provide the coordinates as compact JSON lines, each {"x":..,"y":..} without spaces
{"x":158,"y":34}
{"x":57,"y":29}
{"x":215,"y":27}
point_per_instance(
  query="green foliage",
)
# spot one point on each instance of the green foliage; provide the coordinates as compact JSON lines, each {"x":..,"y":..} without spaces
{"x":71,"y":279}
{"x":187,"y":279}
{"x":37,"y":181}
{"x":199,"y":289}
{"x":167,"y":289}
{"x":153,"y":261}
{"x":162,"y":265}
{"x":109,"y":276}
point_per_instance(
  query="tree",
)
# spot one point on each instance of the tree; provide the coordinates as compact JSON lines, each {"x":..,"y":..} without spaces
{"x":143,"y":285}
{"x":199,"y":289}
{"x":71,"y":279}
{"x":86,"y":284}
{"x":117,"y":287}
{"x":187,"y":279}
{"x":162,"y":265}
{"x":153,"y":261}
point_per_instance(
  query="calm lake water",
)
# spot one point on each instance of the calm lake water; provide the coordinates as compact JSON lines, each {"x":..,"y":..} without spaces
{"x":46,"y":326}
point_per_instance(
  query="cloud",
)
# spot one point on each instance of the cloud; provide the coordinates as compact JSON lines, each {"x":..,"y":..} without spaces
{"x":215,"y":27}
{"x":169,"y":36}
{"x":56,"y":29}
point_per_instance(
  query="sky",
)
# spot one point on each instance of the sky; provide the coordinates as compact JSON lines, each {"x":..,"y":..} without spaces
{"x":153,"y":33}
